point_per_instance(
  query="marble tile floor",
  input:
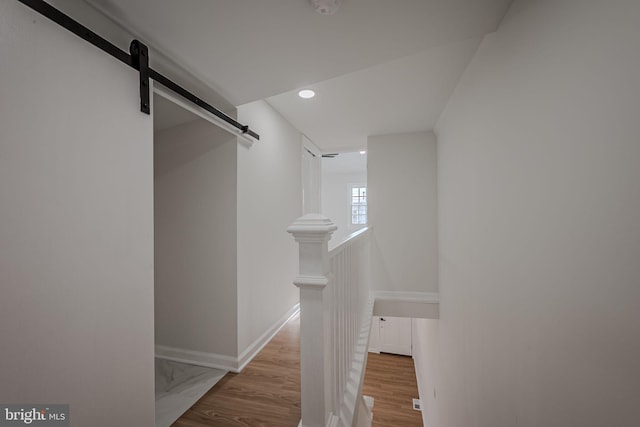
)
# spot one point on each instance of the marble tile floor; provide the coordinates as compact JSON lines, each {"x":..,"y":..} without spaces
{"x":179,"y":386}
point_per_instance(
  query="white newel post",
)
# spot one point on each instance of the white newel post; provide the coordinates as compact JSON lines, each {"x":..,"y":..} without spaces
{"x":313,"y":232}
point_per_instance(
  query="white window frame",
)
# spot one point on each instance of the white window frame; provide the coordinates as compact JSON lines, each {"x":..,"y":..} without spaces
{"x":351,"y":206}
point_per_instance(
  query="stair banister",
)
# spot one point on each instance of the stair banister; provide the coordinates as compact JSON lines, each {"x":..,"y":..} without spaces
{"x":313,"y":232}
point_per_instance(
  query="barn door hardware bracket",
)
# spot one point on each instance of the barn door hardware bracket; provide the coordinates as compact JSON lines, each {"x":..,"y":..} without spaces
{"x":140,"y":61}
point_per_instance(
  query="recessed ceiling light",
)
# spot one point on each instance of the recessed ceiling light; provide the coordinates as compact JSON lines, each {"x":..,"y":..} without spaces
{"x":363,"y":152}
{"x":306,"y":93}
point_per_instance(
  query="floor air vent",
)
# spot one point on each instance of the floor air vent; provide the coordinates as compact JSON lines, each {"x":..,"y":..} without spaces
{"x":417,"y":405}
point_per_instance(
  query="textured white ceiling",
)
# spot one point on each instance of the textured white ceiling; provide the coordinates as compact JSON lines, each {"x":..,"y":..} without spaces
{"x":379,"y":65}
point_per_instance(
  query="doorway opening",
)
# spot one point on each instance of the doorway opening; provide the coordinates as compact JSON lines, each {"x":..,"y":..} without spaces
{"x":344,"y":192}
{"x":194,"y":233}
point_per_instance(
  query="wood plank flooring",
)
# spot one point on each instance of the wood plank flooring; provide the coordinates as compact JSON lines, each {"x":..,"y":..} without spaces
{"x":267,"y":392}
{"x":391,"y":381}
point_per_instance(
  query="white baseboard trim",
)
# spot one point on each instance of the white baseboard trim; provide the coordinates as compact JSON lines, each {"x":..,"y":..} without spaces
{"x":221,"y":361}
{"x":199,"y":358}
{"x":250,"y":352}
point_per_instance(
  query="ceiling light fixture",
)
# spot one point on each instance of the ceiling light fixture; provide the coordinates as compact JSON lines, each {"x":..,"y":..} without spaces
{"x":326,"y":7}
{"x":363,"y":152}
{"x":306,"y":93}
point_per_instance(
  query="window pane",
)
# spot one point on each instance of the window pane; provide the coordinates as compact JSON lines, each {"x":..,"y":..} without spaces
{"x":358,"y":205}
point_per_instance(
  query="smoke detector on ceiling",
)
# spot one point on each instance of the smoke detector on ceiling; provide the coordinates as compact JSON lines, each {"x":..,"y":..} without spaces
{"x":326,"y":7}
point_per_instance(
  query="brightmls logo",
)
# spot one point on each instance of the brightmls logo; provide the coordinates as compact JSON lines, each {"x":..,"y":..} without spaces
{"x":36,"y":415}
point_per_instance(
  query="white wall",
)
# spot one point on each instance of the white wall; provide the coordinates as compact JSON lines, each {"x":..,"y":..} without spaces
{"x":269,"y":200}
{"x":195,"y":238}
{"x":76,"y":226}
{"x":402,"y":210}
{"x":336,"y":201}
{"x":225,"y":265}
{"x":539,"y":204}
{"x":425,"y":341}
{"x":311,"y":177}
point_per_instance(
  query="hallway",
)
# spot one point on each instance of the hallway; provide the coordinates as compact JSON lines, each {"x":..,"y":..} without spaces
{"x":267,"y":392}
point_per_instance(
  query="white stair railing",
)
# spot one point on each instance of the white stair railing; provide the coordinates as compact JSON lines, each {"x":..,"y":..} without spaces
{"x":335,"y":315}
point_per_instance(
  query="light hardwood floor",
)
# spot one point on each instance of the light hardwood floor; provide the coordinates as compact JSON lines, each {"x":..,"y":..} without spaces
{"x":391,"y":381}
{"x":267,"y":392}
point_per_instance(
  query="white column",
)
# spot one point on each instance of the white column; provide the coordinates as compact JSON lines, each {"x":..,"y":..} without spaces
{"x":313,"y":232}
